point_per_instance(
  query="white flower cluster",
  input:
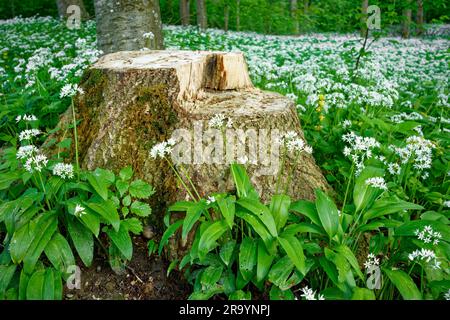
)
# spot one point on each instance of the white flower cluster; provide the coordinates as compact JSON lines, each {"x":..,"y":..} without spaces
{"x":428,"y":235}
{"x":162,"y":149}
{"x":360,"y":148}
{"x":63,"y":170}
{"x":210,"y":200}
{"x":28,"y":134}
{"x":294,"y":144}
{"x":447,"y":295}
{"x":218,"y":121}
{"x":425,"y":255}
{"x":371,"y":262}
{"x":69,"y":90}
{"x":26,"y":117}
{"x":401,"y":117}
{"x":377,"y":182}
{"x":36,"y":163}
{"x":394,"y":168}
{"x":418,"y":150}
{"x":26,"y":151}
{"x":309,"y":294}
{"x":79,"y":211}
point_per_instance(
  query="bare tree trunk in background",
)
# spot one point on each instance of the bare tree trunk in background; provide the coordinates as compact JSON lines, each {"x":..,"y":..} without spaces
{"x":64,"y":4}
{"x":364,"y":6}
{"x":201,"y":14}
{"x":420,"y":18}
{"x":305,"y":6}
{"x":184,"y":12}
{"x":294,"y":15}
{"x":238,"y":15}
{"x":128,"y":25}
{"x":407,"y":13}
{"x":226,"y":17}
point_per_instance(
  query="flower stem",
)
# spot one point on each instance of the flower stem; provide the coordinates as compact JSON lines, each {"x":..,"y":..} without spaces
{"x":75,"y":135}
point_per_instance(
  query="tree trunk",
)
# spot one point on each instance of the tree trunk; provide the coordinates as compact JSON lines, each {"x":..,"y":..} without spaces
{"x":128,"y":25}
{"x":238,"y":15}
{"x":134,"y":100}
{"x":294,"y":16}
{"x":420,"y":18}
{"x":184,"y":12}
{"x":64,"y":4}
{"x":407,"y":12}
{"x":226,"y":16}
{"x":364,"y":6}
{"x":201,"y":14}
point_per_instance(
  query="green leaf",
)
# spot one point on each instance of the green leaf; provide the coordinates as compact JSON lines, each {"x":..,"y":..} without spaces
{"x":264,"y":262}
{"x":408,"y":229}
{"x":126,"y":173}
{"x":387,"y":206}
{"x":133,"y":225}
{"x":240,"y":295}
{"x":193,"y":213}
{"x":6,"y":274}
{"x":227,"y":208}
{"x":141,"y":209}
{"x":126,"y":201}
{"x":107,"y":210}
{"x":211,"y":276}
{"x":59,"y":253}
{"x":294,"y":250}
{"x":122,"y":187}
{"x":122,"y":241}
{"x":277,"y":294}
{"x":6,"y":179}
{"x":44,"y":285}
{"x":82,"y":240}
{"x":168,"y":233}
{"x":280,"y":271}
{"x":140,"y":189}
{"x":279,"y":207}
{"x":364,"y":195}
{"x":210,"y":236}
{"x":363,"y":294}
{"x":261,"y":212}
{"x":242,"y":182}
{"x":403,"y":282}
{"x":328,"y":213}
{"x":302,"y":227}
{"x":226,"y":252}
{"x":99,"y":184}
{"x":345,"y":251}
{"x":247,"y":258}
{"x":258,"y":226}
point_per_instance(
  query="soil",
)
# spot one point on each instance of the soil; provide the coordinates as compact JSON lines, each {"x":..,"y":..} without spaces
{"x":144,"y":278}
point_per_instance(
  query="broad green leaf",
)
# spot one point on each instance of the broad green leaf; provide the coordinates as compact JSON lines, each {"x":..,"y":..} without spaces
{"x":126,"y":173}
{"x":122,"y":241}
{"x":258,"y":226}
{"x":280,"y":271}
{"x":82,"y":240}
{"x":59,"y":253}
{"x":364,"y":195}
{"x":99,"y":184}
{"x":211,"y":276}
{"x":6,"y":274}
{"x":328,"y":213}
{"x":242,"y":182}
{"x":210,"y":236}
{"x":227,"y":208}
{"x":387,"y":206}
{"x":302,"y":227}
{"x":133,"y":225}
{"x":226,"y":252}
{"x":345,"y":251}
{"x":141,"y":209}
{"x":240,"y":295}
{"x":403,"y":282}
{"x":264,"y":262}
{"x":6,"y":179}
{"x":363,"y":294}
{"x":140,"y":189}
{"x":261,"y":212}
{"x":44,"y":285}
{"x":168,"y":233}
{"x":308,"y":209}
{"x":122,"y":187}
{"x":279,"y":207}
{"x":277,"y":294}
{"x":107,"y":210}
{"x":294,"y":250}
{"x":193,"y":213}
{"x":247,"y":257}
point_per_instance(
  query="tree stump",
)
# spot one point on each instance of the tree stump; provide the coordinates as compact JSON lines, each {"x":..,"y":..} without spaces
{"x":133,"y":100}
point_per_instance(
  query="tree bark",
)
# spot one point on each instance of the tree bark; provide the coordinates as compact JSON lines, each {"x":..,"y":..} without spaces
{"x":226,"y":16}
{"x":128,"y":25}
{"x":134,"y":100}
{"x":420,"y":18}
{"x":364,"y":6}
{"x":201,"y":14}
{"x":238,"y":15}
{"x":406,"y":25}
{"x":64,"y":4}
{"x":294,"y":16}
{"x":184,"y":12}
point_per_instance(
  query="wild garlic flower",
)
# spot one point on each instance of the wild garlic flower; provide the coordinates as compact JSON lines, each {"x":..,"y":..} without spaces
{"x":218,"y":121}
{"x":428,"y":235}
{"x":426,"y":256}
{"x":69,"y":90}
{"x":447,"y":295}
{"x":309,"y":294}
{"x":394,"y":168}
{"x":377,"y":182}
{"x":446,"y":204}
{"x":210,"y":200}
{"x":359,"y":149}
{"x":28,"y":134}
{"x":26,"y":117}
{"x":162,"y":149}
{"x":63,"y":170}
{"x":371,"y":262}
{"x":346,"y":124}
{"x":294,"y":144}
{"x":25,"y":152}
{"x":79,"y":211}
{"x":36,"y":163}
